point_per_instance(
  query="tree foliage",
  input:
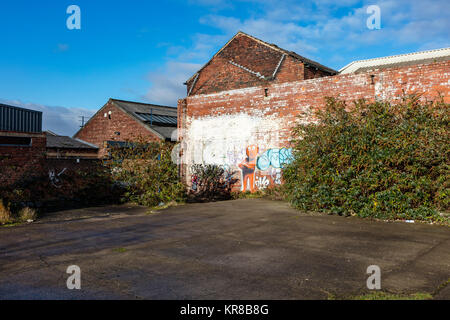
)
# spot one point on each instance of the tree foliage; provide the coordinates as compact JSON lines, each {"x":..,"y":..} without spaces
{"x":211,"y":182}
{"x":147,"y":172}
{"x":380,"y":160}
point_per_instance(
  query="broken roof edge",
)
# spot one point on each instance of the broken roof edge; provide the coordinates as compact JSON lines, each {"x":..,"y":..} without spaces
{"x":387,"y":60}
{"x":273,"y":47}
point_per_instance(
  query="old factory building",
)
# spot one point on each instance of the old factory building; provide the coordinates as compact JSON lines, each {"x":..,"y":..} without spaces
{"x":22,"y":142}
{"x":119,"y":121}
{"x":26,"y":151}
{"x":241,"y":106}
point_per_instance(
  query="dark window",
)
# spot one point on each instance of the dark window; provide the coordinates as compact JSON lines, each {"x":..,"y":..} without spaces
{"x":15,"y":141}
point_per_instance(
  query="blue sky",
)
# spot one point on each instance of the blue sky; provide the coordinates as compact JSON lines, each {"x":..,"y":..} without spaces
{"x":144,"y":50}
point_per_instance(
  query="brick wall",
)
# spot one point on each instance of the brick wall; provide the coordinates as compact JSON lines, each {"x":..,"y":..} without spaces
{"x":68,"y":153}
{"x":100,"y":129}
{"x":18,"y":162}
{"x":248,"y":133}
{"x":220,"y":75}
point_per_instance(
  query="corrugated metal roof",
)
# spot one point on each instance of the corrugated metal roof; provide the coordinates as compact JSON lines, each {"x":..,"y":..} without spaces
{"x":20,"y":119}
{"x":422,"y":57}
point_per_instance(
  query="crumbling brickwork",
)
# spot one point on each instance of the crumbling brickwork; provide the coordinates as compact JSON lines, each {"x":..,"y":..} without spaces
{"x":224,"y":127}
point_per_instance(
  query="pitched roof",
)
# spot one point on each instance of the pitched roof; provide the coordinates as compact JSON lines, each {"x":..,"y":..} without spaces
{"x":306,"y":61}
{"x":413,"y":58}
{"x":161,"y":120}
{"x":146,"y":108}
{"x":60,"y":142}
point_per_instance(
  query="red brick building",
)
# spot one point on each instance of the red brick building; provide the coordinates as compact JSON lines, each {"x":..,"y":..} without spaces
{"x":246,"y":61}
{"x":120,"y":121}
{"x":241,"y":106}
{"x":26,"y":151}
{"x":22,"y":143}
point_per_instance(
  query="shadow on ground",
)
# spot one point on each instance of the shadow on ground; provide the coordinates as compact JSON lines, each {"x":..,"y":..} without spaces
{"x":241,"y":249}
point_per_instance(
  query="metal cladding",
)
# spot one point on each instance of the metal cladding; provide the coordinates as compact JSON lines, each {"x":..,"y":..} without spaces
{"x":20,"y":120}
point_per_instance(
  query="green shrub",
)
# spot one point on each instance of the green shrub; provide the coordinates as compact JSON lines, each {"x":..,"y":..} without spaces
{"x":373,"y":160}
{"x":210,"y":183}
{"x":147,"y":172}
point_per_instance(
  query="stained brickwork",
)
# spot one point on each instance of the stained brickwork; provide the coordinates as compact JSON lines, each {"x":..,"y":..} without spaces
{"x":222,"y":127}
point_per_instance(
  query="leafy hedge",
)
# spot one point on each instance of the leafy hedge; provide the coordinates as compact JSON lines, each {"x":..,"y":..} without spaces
{"x":147,"y":172}
{"x":375,"y":160}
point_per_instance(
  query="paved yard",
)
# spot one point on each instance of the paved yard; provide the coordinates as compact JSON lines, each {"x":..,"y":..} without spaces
{"x":243,"y":249}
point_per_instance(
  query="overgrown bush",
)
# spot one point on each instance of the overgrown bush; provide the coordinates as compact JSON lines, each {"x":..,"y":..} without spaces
{"x":375,"y":160}
{"x":147,"y":172}
{"x":211,"y":182}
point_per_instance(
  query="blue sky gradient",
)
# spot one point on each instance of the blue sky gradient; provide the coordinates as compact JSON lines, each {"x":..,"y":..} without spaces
{"x":144,"y":50}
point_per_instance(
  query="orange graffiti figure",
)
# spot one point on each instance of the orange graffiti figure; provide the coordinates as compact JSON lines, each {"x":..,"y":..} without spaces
{"x":248,"y":167}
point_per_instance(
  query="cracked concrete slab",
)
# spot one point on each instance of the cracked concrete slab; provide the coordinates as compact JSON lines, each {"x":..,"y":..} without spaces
{"x":243,"y":249}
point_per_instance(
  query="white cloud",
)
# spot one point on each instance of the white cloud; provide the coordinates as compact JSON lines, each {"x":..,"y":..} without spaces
{"x":331,"y":32}
{"x":167,"y":83}
{"x":61,"y":120}
{"x":62,"y":47}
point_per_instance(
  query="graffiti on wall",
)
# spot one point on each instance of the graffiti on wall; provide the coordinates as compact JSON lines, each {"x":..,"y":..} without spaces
{"x":55,"y":178}
{"x":262,"y":182}
{"x":248,"y":168}
{"x":194,"y":182}
{"x":259,"y":171}
{"x":275,"y":158}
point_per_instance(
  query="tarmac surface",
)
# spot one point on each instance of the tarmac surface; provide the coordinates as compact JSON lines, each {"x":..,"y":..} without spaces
{"x":242,"y":249}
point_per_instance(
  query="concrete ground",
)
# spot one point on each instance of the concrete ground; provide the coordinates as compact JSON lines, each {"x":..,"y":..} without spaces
{"x":243,"y":249}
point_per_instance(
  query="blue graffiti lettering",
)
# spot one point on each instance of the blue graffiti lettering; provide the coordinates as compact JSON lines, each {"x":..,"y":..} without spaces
{"x":275,"y":158}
